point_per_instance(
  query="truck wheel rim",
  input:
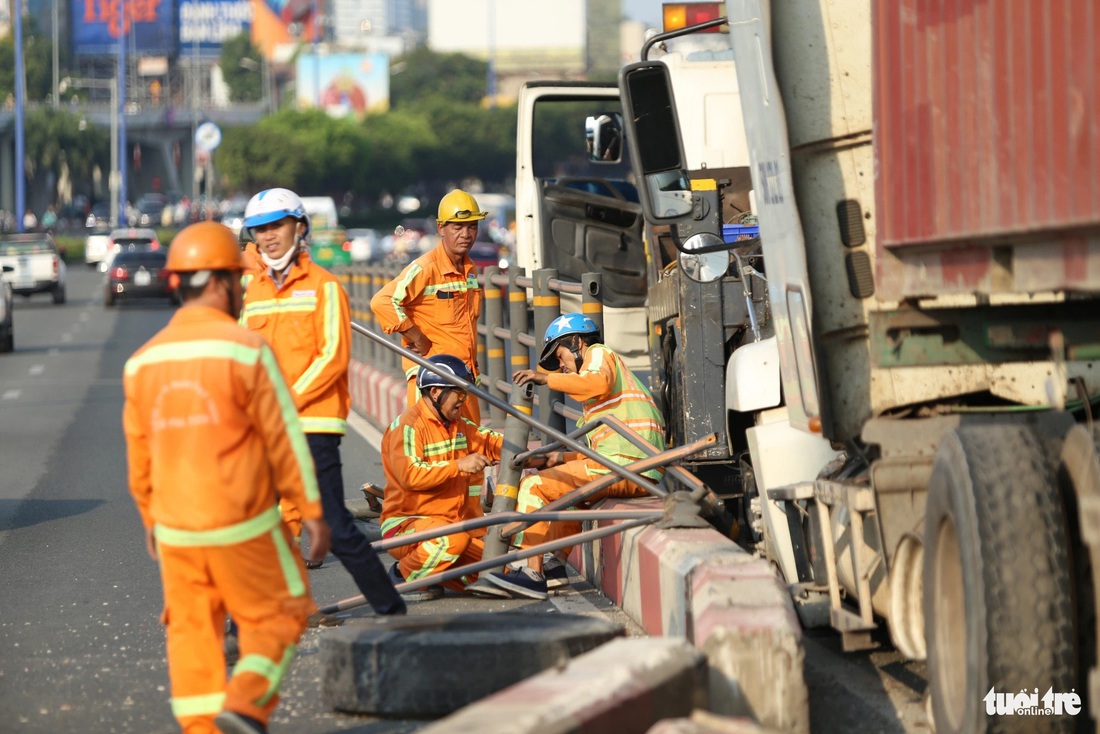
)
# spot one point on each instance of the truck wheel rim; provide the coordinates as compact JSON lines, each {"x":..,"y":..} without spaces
{"x":950,"y":626}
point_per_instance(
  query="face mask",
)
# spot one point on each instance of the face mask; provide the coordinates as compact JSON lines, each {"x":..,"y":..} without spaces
{"x":281,"y":264}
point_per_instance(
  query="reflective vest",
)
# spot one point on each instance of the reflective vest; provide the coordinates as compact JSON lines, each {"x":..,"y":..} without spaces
{"x":444,"y":301}
{"x":307,"y":322}
{"x":212,"y":433}
{"x":420,"y":457}
{"x":606,"y":386}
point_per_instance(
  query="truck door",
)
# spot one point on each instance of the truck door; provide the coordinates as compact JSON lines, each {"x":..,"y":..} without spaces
{"x":577,"y":207}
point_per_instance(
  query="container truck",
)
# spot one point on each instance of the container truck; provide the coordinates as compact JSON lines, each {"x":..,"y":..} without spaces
{"x":929,"y":207}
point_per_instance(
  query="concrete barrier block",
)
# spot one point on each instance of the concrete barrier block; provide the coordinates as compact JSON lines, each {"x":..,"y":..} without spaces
{"x":624,"y":686}
{"x":743,"y":619}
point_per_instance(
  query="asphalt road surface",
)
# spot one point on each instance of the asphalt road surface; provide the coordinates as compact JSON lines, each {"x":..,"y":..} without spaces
{"x":83,"y":648}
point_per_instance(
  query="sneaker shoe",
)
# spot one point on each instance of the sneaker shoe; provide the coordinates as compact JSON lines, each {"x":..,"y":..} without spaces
{"x":313,"y":565}
{"x":521,"y":581}
{"x":429,"y":594}
{"x":557,"y":575}
{"x":230,"y":722}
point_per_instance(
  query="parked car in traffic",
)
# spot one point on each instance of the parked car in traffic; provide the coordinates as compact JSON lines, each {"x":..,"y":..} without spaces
{"x":96,"y":245}
{"x":366,"y":245}
{"x":36,"y":265}
{"x":148,"y":209}
{"x":7,"y":325}
{"x":138,"y":274}
{"x":130,"y":239}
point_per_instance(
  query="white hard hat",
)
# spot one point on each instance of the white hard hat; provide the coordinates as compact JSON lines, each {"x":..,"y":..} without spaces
{"x":271,"y":205}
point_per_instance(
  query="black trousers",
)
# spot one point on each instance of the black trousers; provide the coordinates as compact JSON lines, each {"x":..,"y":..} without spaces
{"x":349,"y":544}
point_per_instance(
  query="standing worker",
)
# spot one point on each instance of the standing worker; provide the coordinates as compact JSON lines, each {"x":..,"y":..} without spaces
{"x":212,"y":437}
{"x":428,"y":455}
{"x":435,"y":303}
{"x":593,"y":375}
{"x":302,"y":311}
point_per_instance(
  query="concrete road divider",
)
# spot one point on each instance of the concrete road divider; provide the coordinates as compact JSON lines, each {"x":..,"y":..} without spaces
{"x":624,"y":686}
{"x":696,"y":584}
{"x":431,"y":665}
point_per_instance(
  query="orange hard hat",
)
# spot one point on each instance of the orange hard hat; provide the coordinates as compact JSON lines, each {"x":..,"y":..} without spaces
{"x":205,"y":246}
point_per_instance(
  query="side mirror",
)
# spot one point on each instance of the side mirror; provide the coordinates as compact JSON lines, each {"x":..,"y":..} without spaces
{"x":604,"y":137}
{"x":653,"y":132}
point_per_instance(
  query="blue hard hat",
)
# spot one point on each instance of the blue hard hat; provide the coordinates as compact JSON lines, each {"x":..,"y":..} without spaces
{"x":446,"y":363}
{"x":563,"y":326}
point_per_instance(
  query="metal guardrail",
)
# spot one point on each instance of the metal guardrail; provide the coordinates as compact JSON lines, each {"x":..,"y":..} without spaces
{"x":362,"y":282}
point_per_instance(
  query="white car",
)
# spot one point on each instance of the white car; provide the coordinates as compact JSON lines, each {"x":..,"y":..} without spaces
{"x":96,"y":245}
{"x":36,"y":265}
{"x":366,"y":245}
{"x":129,"y":239}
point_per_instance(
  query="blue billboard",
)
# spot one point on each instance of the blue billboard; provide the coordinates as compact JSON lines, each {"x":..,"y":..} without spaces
{"x":205,"y":25}
{"x":149,"y":27}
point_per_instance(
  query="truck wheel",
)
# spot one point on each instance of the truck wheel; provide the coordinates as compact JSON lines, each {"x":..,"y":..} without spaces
{"x":997,"y":589}
{"x":59,"y":294}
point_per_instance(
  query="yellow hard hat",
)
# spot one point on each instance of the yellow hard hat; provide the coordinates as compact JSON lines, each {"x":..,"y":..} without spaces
{"x":458,"y":206}
{"x":205,"y":246}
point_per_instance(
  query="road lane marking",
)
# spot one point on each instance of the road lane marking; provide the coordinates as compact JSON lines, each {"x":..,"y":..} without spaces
{"x":37,"y":369}
{"x":66,"y":337}
{"x":369,"y":433}
{"x":11,"y":394}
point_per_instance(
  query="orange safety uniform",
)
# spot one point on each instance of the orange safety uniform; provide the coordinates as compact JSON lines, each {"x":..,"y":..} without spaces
{"x":425,"y":489}
{"x":212,"y":437}
{"x":307,"y":322}
{"x":445,"y":303}
{"x":603,"y":386}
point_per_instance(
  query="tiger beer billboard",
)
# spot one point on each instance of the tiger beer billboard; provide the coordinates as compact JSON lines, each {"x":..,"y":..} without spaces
{"x":149,"y":27}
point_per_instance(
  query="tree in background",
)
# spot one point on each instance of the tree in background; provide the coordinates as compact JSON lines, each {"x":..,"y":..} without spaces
{"x":242,"y":68}
{"x":37,"y":63}
{"x":424,"y":75}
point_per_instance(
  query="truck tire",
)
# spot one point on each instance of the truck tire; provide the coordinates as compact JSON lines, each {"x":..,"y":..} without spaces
{"x":431,"y":665}
{"x":59,"y":294}
{"x":997,"y":588}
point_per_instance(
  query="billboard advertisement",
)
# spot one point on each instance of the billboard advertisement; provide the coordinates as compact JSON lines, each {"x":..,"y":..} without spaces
{"x":149,"y":27}
{"x":278,"y":22}
{"x":204,"y":25}
{"x":344,"y":84}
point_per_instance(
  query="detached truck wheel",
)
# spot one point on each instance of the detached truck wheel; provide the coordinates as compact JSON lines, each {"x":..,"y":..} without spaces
{"x":997,"y":585}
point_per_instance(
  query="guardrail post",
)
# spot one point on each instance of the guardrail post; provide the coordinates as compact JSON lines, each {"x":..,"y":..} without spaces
{"x":517,"y":435}
{"x":517,"y":323}
{"x":493,"y":317}
{"x":547,"y":308}
{"x":592,"y":299}
{"x":392,"y":360}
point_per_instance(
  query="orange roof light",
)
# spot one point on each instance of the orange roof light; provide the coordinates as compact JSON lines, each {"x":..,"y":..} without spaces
{"x":681,"y":15}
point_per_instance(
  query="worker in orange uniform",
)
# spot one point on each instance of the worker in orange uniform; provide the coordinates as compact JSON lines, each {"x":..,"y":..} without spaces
{"x":435,"y":302}
{"x":593,"y":375}
{"x":302,"y":311}
{"x":428,"y":455}
{"x":212,"y":437}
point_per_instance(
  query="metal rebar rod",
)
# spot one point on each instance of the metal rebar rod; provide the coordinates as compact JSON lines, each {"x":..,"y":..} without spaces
{"x":587,"y":490}
{"x":453,"y":573}
{"x":494,"y":401}
{"x":499,"y":518}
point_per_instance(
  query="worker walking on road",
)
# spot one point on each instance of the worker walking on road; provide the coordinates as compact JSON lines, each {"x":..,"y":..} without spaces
{"x":593,"y":375}
{"x":212,"y":438}
{"x":428,"y":455}
{"x":302,"y":311}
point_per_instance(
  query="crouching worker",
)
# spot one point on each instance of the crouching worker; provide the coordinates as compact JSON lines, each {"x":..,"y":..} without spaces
{"x":212,"y":440}
{"x":429,"y":454}
{"x":593,"y":375}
